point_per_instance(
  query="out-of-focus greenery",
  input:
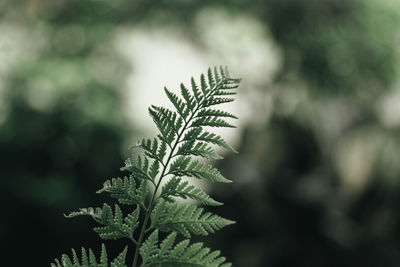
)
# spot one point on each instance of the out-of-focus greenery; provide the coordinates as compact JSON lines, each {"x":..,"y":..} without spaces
{"x":317,"y":177}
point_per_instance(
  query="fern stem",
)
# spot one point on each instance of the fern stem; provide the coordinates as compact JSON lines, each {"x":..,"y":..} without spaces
{"x":163,"y":174}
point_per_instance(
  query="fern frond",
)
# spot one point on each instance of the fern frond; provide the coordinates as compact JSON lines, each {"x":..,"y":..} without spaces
{"x":180,"y":255}
{"x":186,"y":219}
{"x":176,"y":188}
{"x":115,"y":225}
{"x":215,"y":139}
{"x":90,"y":261}
{"x":204,"y":87}
{"x":139,"y":167}
{"x":196,"y":91}
{"x":190,"y":101}
{"x":211,"y":122}
{"x":125,"y":190}
{"x":211,"y":80}
{"x":178,"y":104}
{"x":215,"y":113}
{"x":184,"y":166}
{"x":169,"y":155}
{"x":191,"y":147}
{"x":153,"y":149}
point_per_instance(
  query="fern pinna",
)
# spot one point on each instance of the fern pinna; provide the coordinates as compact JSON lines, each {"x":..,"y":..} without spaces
{"x":170,"y":157}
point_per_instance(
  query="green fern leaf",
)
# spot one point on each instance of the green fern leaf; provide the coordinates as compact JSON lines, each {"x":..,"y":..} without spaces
{"x":217,"y":101}
{"x":138,"y":166}
{"x":217,"y":75}
{"x":179,"y":255}
{"x":131,"y":222}
{"x":152,"y":149}
{"x":189,"y":99}
{"x":184,"y":166}
{"x":203,"y":85}
{"x":125,"y":190}
{"x":103,"y":256}
{"x":149,"y":248}
{"x":120,"y":260}
{"x":176,"y":188}
{"x":196,"y":91}
{"x":215,"y":113}
{"x":178,"y":104}
{"x":191,"y":147}
{"x":211,"y":80}
{"x":215,"y":139}
{"x":211,"y":121}
{"x":90,"y":261}
{"x":166,"y":122}
{"x":186,"y":219}
{"x":114,"y":225}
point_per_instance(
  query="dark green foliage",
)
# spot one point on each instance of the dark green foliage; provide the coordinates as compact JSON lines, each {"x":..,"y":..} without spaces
{"x":169,"y":156}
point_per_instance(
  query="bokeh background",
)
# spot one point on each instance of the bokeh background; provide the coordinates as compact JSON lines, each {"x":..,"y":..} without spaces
{"x":317,"y":180}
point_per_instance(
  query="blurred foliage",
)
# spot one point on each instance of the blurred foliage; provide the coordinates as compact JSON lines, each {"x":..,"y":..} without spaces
{"x":317,"y":181}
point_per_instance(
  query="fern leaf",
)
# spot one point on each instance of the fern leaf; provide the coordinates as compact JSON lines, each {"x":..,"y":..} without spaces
{"x":178,"y":104}
{"x":189,"y":99}
{"x":131,"y":222}
{"x":215,"y":113}
{"x":176,"y":188}
{"x":186,"y":219}
{"x":215,"y":139}
{"x":166,"y":123}
{"x":152,"y":149}
{"x":192,"y":134}
{"x":197,"y":149}
{"x":103,"y":256}
{"x":217,"y":101}
{"x":154,"y":168}
{"x":120,"y":260}
{"x":179,"y":255}
{"x":211,"y":80}
{"x":138,"y":166}
{"x":183,"y":166}
{"x":90,"y":261}
{"x":114,"y":225}
{"x":169,"y":118}
{"x":125,"y":190}
{"x":149,"y":248}
{"x":217,"y":75}
{"x":196,"y":91}
{"x":203,"y":85}
{"x":211,"y":121}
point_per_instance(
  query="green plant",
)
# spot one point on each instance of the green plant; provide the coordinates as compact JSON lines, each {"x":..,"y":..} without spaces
{"x":168,"y":157}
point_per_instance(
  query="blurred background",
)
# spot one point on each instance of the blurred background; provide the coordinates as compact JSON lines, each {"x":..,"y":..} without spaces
{"x":317,"y":180}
